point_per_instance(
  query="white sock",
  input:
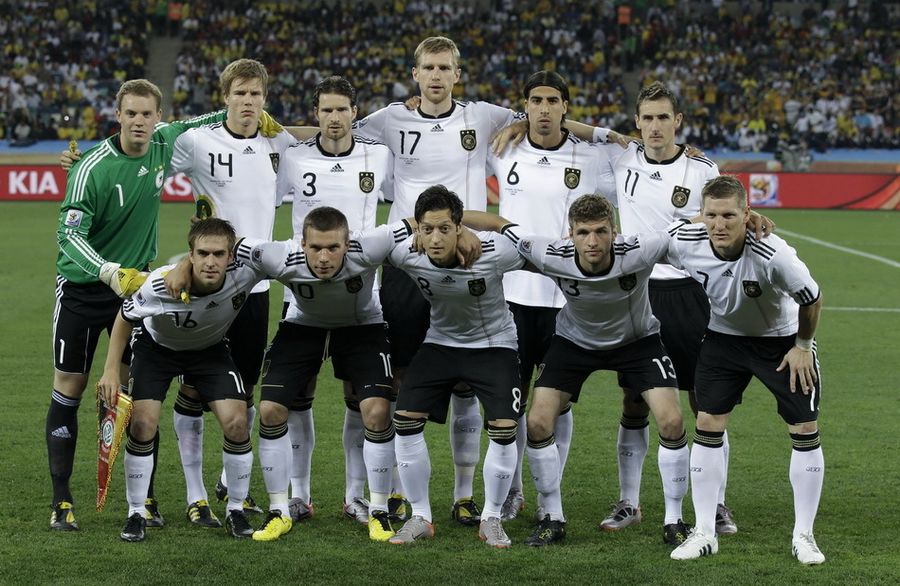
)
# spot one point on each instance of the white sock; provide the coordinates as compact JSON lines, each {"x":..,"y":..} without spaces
{"x":137,"y":481}
{"x":706,"y":477}
{"x":632,"y":445}
{"x":545,"y":470}
{"x":379,"y":465}
{"x":465,"y":442}
{"x":353,"y":437}
{"x":414,"y":465}
{"x":499,"y":464}
{"x":565,"y":425}
{"x":674,"y":467}
{"x":521,"y":443}
{"x":275,"y":461}
{"x":727,"y":454}
{"x":302,"y":432}
{"x":189,"y":433}
{"x":237,"y":469}
{"x":807,"y":473}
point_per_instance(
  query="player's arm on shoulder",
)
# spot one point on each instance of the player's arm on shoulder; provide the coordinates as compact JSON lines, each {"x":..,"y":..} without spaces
{"x":509,"y":136}
{"x":760,"y":225}
{"x":171,"y":130}
{"x":109,"y":382}
{"x":484,"y":221}
{"x":178,"y":280}
{"x":468,"y":248}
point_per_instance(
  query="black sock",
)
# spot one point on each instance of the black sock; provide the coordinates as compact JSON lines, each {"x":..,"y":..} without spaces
{"x":62,"y":435}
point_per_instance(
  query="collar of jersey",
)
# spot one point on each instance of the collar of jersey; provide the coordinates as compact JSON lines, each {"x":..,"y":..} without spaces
{"x":667,"y":161}
{"x":336,"y":273}
{"x":720,"y":257}
{"x":565,"y":137}
{"x":612,"y":263}
{"x":444,"y":115}
{"x":238,"y":136}
{"x":327,"y":154}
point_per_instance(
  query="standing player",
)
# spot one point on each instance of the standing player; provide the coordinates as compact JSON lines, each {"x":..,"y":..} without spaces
{"x":232,"y":168}
{"x":337,"y":169}
{"x":538,"y":180}
{"x":764,"y":312}
{"x":471,"y":339}
{"x":658,"y":182}
{"x":334,"y":313}
{"x":185,"y":339}
{"x":109,"y":219}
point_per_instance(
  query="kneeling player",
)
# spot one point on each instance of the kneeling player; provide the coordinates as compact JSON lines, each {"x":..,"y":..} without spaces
{"x":764,"y":311}
{"x":471,"y":339}
{"x":185,"y":339}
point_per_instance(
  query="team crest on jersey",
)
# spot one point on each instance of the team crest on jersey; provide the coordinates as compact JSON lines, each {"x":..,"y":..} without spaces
{"x":140,"y":298}
{"x":256,"y":255}
{"x":159,"y":179}
{"x":238,"y":300}
{"x":572,"y":177}
{"x":468,"y":140}
{"x":680,"y":196}
{"x":354,"y":285}
{"x":73,"y":218}
{"x":627,"y":282}
{"x":477,"y":287}
{"x":526,"y":245}
{"x":752,"y":288}
{"x":275,"y":158}
{"x":366,"y":181}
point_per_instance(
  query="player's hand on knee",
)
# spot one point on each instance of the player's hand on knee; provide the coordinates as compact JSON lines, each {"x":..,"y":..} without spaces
{"x":509,"y":136}
{"x":801,"y":368}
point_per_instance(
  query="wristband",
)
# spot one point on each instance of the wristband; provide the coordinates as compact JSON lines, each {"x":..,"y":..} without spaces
{"x":804,"y":344}
{"x":600,"y":135}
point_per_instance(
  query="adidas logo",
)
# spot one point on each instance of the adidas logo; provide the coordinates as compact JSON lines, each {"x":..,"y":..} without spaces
{"x":61,"y":432}
{"x":543,"y":161}
{"x":437,"y":128}
{"x":249,"y":151}
{"x":143,"y":171}
{"x":337,"y":169}
{"x":447,"y":279}
{"x":656,"y":176}
{"x":727,"y":273}
{"x":212,"y":304}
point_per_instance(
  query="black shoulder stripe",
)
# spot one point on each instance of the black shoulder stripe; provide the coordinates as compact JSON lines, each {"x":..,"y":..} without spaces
{"x":561,"y":253}
{"x":703,"y":160}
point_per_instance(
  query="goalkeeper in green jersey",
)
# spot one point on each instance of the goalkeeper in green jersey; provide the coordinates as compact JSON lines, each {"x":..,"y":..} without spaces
{"x":108,"y":220}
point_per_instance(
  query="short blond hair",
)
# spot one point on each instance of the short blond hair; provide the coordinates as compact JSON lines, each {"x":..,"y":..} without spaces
{"x":243,"y":69}
{"x":139,"y":87}
{"x":591,"y":207}
{"x":724,"y":187}
{"x":437,"y":45}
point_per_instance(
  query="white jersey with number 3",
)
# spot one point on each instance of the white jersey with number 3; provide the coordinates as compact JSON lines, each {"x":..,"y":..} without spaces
{"x":755,"y":295}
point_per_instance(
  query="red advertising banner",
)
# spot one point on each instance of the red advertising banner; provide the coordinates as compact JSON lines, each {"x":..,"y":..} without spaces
{"x":785,"y":190}
{"x":48,"y":183}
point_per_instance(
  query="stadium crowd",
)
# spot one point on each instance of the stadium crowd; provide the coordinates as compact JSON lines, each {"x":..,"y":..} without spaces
{"x":747,"y":79}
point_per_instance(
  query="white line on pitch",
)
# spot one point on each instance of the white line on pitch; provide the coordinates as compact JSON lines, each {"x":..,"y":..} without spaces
{"x":871,"y":309}
{"x":887,"y":261}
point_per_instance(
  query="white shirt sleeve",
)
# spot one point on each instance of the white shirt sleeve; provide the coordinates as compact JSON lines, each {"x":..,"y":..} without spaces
{"x":183,"y":153}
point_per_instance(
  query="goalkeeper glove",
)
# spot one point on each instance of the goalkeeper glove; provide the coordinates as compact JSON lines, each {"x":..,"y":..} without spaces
{"x":123,"y":282}
{"x":268,"y":126}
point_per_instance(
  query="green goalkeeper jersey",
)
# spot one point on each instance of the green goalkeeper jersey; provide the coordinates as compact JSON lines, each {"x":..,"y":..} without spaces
{"x":111,"y":209}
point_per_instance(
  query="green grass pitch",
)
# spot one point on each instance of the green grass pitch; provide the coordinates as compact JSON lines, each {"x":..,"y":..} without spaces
{"x":856,"y":528}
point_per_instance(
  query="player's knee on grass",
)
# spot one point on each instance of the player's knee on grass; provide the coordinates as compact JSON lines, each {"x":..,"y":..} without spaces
{"x":232,"y":416}
{"x":376,"y":413}
{"x":272,"y":413}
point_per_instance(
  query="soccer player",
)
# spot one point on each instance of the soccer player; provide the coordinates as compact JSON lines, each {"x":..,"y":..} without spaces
{"x":538,"y":180}
{"x":232,"y":168}
{"x":334,"y":313}
{"x":471,"y":339}
{"x":185,"y":339}
{"x":658,"y":182}
{"x":108,"y":219}
{"x":765,"y":308}
{"x":347,"y":172}
{"x":605,"y":324}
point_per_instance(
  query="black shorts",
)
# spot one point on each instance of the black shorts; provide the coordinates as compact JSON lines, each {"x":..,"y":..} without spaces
{"x":406,"y":312}
{"x":642,"y":365}
{"x":535,"y":327}
{"x":81,"y":314}
{"x":360,"y":354}
{"x":682,"y":308}
{"x":211,"y":370}
{"x":491,"y":372}
{"x":727,"y":363}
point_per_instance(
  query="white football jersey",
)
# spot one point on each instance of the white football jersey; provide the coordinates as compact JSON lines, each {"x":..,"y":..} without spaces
{"x":468,"y":309}
{"x":652,"y":194}
{"x":196,"y":325}
{"x":346,"y":299}
{"x":450,"y":150}
{"x":350,"y":182}
{"x":757,"y":294}
{"x":236,"y":175}
{"x":537,"y":186}
{"x":603,"y":311}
